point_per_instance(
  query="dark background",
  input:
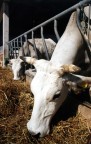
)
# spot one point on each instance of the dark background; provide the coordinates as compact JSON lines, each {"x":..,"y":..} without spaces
{"x":25,"y":14}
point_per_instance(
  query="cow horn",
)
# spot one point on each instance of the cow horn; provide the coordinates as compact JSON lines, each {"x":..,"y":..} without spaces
{"x":69,"y":68}
{"x":29,"y":60}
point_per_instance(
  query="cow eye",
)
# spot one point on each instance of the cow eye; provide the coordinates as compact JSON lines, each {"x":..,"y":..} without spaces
{"x":56,"y":95}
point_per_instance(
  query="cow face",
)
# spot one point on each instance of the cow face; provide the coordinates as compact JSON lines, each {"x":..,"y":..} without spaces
{"x":18,"y":68}
{"x":50,"y":91}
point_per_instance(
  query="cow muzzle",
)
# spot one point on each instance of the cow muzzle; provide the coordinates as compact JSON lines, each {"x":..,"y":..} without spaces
{"x":36,"y":135}
{"x":16,"y":78}
{"x":38,"y":132}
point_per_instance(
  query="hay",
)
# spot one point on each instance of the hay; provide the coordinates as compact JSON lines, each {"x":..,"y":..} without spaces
{"x":16,"y":103}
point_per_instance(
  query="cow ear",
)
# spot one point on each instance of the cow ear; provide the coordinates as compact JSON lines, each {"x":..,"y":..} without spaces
{"x":9,"y":62}
{"x":29,"y":60}
{"x":72,"y":82}
{"x":76,"y":82}
{"x":67,"y":68}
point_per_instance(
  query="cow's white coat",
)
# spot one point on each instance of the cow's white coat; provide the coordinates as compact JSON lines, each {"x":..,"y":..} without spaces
{"x":48,"y":81}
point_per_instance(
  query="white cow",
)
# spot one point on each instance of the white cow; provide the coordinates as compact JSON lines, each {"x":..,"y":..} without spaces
{"x":48,"y":85}
{"x":28,"y":49}
{"x":19,"y":67}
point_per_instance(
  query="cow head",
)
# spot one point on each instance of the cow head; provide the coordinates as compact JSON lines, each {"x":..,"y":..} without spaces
{"x":18,"y":68}
{"x":49,"y":90}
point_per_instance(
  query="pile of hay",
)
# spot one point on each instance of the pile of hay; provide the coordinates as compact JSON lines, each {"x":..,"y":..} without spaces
{"x":16,"y":103}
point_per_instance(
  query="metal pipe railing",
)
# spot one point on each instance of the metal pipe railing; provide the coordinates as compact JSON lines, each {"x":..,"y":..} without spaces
{"x":17,"y":42}
{"x":55,"y":17}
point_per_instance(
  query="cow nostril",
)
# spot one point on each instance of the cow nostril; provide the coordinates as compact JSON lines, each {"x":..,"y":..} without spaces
{"x":35,"y":135}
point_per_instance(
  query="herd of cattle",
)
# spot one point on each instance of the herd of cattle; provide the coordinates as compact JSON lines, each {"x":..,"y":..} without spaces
{"x":52,"y":79}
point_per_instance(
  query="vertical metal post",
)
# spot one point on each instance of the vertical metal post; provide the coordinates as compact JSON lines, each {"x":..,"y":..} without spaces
{"x":5,"y":31}
{"x":34,"y":45}
{"x":44,"y":44}
{"x":14,"y":50}
{"x":17,"y":51}
{"x":55,"y":30}
{"x":11,"y":49}
{"x":89,"y":15}
{"x":25,"y":37}
{"x":21,"y":41}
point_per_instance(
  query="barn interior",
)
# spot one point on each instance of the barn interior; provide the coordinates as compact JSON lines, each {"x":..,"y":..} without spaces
{"x":16,"y":99}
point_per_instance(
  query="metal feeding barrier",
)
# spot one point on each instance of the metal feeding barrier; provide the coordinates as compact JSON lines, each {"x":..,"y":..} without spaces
{"x":15,"y":44}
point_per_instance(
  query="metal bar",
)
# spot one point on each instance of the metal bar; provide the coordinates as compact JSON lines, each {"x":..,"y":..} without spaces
{"x":55,"y":30}
{"x":11,"y":49}
{"x":17,"y":43}
{"x":25,"y":37}
{"x":55,"y":17}
{"x":34,"y":45}
{"x":87,"y":104}
{"x":26,"y":40}
{"x":14,"y":50}
{"x":21,"y":41}
{"x":44,"y":44}
{"x":79,"y":26}
{"x":88,"y":34}
{"x":17,"y":47}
